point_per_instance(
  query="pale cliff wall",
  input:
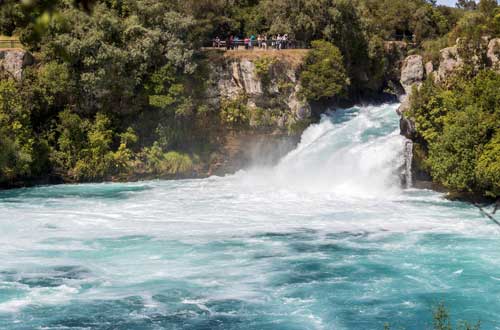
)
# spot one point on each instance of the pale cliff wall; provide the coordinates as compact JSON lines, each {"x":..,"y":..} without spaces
{"x":267,"y":83}
{"x":13,"y":61}
{"x":267,"y":80}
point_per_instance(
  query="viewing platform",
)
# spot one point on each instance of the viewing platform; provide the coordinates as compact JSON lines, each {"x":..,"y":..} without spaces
{"x":10,"y":43}
{"x":293,"y":56}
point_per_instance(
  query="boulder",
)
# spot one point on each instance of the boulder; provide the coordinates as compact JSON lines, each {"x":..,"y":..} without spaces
{"x":412,"y":72}
{"x":14,"y":61}
{"x":405,"y":104}
{"x":407,"y":127}
{"x":449,"y":62}
{"x":493,"y":53}
{"x":429,"y":68}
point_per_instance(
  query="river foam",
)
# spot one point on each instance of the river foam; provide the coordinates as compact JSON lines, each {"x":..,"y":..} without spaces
{"x":327,"y":239}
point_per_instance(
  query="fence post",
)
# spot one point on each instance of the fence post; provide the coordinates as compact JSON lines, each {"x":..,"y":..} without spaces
{"x":11,"y":43}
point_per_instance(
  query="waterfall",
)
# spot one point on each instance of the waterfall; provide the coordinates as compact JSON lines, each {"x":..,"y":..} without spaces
{"x":408,"y":158}
{"x":353,"y":152}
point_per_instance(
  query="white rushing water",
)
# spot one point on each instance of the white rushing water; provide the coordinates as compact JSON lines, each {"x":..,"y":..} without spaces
{"x":326,"y":239}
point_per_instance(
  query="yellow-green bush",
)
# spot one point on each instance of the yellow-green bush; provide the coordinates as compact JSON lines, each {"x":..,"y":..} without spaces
{"x":158,"y":162}
{"x":235,"y":112}
{"x":17,"y":142}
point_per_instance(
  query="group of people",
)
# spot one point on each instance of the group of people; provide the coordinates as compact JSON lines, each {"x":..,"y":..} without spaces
{"x":260,"y":41}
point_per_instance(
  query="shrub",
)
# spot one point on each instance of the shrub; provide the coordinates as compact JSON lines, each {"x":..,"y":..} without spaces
{"x":97,"y":161}
{"x":85,"y":148}
{"x":324,"y":75}
{"x":176,"y":163}
{"x":156,"y":161}
{"x":488,"y":167}
{"x":263,"y":67}
{"x":432,"y":49}
{"x":235,"y":112}
{"x":17,"y":142}
{"x":72,"y":140}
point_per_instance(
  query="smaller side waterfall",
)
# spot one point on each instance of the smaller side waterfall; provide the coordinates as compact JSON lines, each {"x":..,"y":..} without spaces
{"x":408,"y":154}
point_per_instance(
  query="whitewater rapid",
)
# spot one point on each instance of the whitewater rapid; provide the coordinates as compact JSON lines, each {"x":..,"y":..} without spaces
{"x":326,"y":239}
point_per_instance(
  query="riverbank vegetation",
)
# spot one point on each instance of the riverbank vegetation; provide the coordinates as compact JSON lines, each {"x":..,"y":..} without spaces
{"x":458,"y":120}
{"x":459,"y":128}
{"x":119,"y":87}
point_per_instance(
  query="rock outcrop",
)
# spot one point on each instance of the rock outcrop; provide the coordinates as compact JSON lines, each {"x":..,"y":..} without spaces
{"x":429,"y":68}
{"x":267,"y":81}
{"x":236,"y":78}
{"x":395,"y":53}
{"x":493,"y":54}
{"x":412,"y":72}
{"x":13,"y":61}
{"x":449,"y":62}
{"x":407,"y":127}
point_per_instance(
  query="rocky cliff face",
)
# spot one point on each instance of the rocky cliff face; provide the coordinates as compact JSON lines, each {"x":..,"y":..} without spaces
{"x":493,"y":54}
{"x":267,"y":83}
{"x":414,"y":71}
{"x":13,"y":61}
{"x":265,"y":80}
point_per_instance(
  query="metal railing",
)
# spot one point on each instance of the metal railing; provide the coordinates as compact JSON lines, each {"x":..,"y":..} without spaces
{"x":10,"y":43}
{"x":255,"y":44}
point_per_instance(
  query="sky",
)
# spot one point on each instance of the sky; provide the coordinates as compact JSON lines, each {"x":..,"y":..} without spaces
{"x":450,"y":3}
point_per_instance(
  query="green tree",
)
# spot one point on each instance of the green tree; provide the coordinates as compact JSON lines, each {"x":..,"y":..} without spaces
{"x":456,"y":151}
{"x":459,"y":128}
{"x":324,"y":75}
{"x":466,"y":4}
{"x":488,"y":167}
{"x":97,"y":161}
{"x":72,"y":130}
{"x":16,"y":136}
{"x":488,"y":7}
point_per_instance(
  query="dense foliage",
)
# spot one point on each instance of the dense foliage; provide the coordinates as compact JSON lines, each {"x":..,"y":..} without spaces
{"x":460,"y":128}
{"x":324,"y":75}
{"x":107,"y":85}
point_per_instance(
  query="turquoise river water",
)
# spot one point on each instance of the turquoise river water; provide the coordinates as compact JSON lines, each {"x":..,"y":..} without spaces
{"x":327,"y":239}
